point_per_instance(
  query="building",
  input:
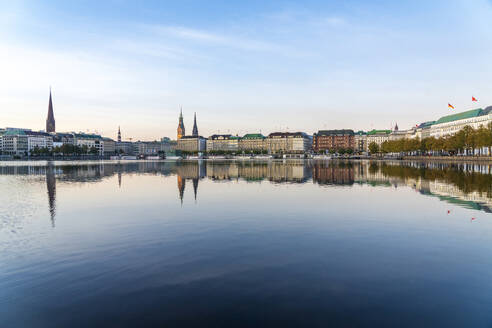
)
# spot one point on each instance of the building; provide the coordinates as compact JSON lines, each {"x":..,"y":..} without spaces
{"x":423,"y":130}
{"x":222,"y":142}
{"x":333,"y":140}
{"x":109,"y":146}
{"x":192,"y":144}
{"x":181,"y":127}
{"x":451,"y":124}
{"x":125,"y":147}
{"x":60,"y":139}
{"x":90,"y":141}
{"x":378,"y":137}
{"x":50,"y":120}
{"x":360,"y":141}
{"x":22,"y":142}
{"x":119,"y":134}
{"x":252,"y":142}
{"x":288,"y":142}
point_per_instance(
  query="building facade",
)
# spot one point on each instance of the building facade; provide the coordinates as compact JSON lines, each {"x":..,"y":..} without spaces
{"x":333,"y":140}
{"x":378,"y":137}
{"x":222,"y":142}
{"x":252,"y":142}
{"x":451,"y":124}
{"x":288,"y":142}
{"x":192,"y":144}
{"x":360,"y":141}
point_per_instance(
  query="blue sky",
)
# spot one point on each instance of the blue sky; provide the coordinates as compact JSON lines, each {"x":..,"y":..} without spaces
{"x":243,"y":66}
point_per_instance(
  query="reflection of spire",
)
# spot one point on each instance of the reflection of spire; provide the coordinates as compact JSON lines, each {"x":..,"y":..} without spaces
{"x":119,"y":179}
{"x":181,"y":188}
{"x":51,"y":185}
{"x":195,"y":186}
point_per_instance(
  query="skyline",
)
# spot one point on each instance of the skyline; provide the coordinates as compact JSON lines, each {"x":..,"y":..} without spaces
{"x":242,"y":67}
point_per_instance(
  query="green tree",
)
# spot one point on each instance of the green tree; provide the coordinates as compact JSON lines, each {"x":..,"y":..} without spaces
{"x":373,"y":148}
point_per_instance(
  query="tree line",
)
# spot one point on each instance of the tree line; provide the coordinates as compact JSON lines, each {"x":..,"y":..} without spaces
{"x":465,"y":141}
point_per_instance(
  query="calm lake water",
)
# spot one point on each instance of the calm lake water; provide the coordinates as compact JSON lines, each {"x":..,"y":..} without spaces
{"x":231,"y":244}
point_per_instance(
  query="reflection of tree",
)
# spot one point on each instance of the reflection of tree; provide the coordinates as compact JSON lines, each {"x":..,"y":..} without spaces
{"x":51,"y":185}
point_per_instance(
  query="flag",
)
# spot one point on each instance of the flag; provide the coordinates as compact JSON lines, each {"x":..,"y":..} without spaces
{"x":474,"y":99}
{"x":450,"y":106}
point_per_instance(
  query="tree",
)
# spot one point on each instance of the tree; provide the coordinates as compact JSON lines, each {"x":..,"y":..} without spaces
{"x":373,"y":148}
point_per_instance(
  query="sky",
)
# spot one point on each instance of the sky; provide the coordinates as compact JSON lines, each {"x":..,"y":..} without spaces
{"x":242,"y":66}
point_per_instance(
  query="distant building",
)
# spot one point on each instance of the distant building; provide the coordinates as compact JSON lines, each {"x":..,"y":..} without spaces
{"x":109,"y":146}
{"x":119,"y":134}
{"x":222,"y":142}
{"x":334,"y":140}
{"x":181,"y":127}
{"x":252,"y":142}
{"x":23,"y":141}
{"x":192,"y":144}
{"x":288,"y":142}
{"x":125,"y":147}
{"x":451,"y":124}
{"x":90,"y":141}
{"x":360,"y":141}
{"x":59,"y":139}
{"x":377,"y":136}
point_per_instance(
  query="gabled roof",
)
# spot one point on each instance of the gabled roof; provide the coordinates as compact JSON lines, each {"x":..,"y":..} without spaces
{"x":460,"y":116}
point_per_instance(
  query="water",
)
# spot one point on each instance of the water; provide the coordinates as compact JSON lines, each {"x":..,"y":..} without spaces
{"x":297,"y":244}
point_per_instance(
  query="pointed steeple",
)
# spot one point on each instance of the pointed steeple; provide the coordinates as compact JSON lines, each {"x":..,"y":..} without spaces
{"x":396,"y":127}
{"x":181,"y":127}
{"x":50,"y":120}
{"x":195,"y":128}
{"x":195,"y":187}
{"x":119,"y":134}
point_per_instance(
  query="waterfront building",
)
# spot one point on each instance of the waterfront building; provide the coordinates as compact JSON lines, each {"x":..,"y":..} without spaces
{"x":192,"y":144}
{"x":181,"y":127}
{"x":59,"y":139}
{"x":109,"y":146}
{"x":423,"y":130}
{"x":451,"y":124}
{"x":252,"y":142}
{"x":50,"y":120}
{"x":333,"y":140}
{"x":288,"y":142}
{"x":90,"y":141}
{"x":22,"y":141}
{"x":222,"y":142}
{"x":360,"y":141}
{"x":125,"y":147}
{"x":377,"y":136}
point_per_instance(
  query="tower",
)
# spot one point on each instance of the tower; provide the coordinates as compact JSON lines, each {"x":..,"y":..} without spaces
{"x":195,"y":128}
{"x":50,"y":120}
{"x":119,"y":134}
{"x":396,"y":127}
{"x":181,"y":127}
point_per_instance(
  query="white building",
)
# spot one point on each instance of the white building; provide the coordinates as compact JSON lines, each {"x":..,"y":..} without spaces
{"x":451,"y":124}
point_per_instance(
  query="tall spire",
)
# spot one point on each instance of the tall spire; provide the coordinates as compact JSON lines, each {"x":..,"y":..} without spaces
{"x":181,"y":127}
{"x":195,"y":128}
{"x":119,"y":134}
{"x":50,"y":120}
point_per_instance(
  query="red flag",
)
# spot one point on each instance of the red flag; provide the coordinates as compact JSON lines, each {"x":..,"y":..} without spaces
{"x":474,"y":99}
{"x":450,"y":106}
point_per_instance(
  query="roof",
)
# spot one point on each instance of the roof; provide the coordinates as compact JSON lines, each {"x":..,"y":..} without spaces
{"x":87,"y":136}
{"x":288,"y":134}
{"x":360,"y":133}
{"x":335,"y":132}
{"x":220,"y":136}
{"x":254,"y":136}
{"x":460,"y":116}
{"x":487,"y":111}
{"x":372,"y":132}
{"x":426,"y":124}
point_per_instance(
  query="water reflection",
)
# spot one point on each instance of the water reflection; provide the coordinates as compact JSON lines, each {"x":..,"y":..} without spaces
{"x":466,"y":185}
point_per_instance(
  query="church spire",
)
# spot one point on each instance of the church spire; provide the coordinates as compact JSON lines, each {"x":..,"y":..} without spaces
{"x":181,"y":127}
{"x":50,"y":120}
{"x":119,"y":134}
{"x":195,"y":128}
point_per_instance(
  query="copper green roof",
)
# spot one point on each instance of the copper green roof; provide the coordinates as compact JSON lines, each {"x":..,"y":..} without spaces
{"x":378,"y":132}
{"x":254,"y":136}
{"x":460,"y":116}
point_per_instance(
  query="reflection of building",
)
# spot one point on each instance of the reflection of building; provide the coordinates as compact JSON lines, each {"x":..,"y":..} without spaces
{"x":333,"y":140}
{"x":181,"y":187}
{"x":51,"y":185}
{"x":333,"y":174}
